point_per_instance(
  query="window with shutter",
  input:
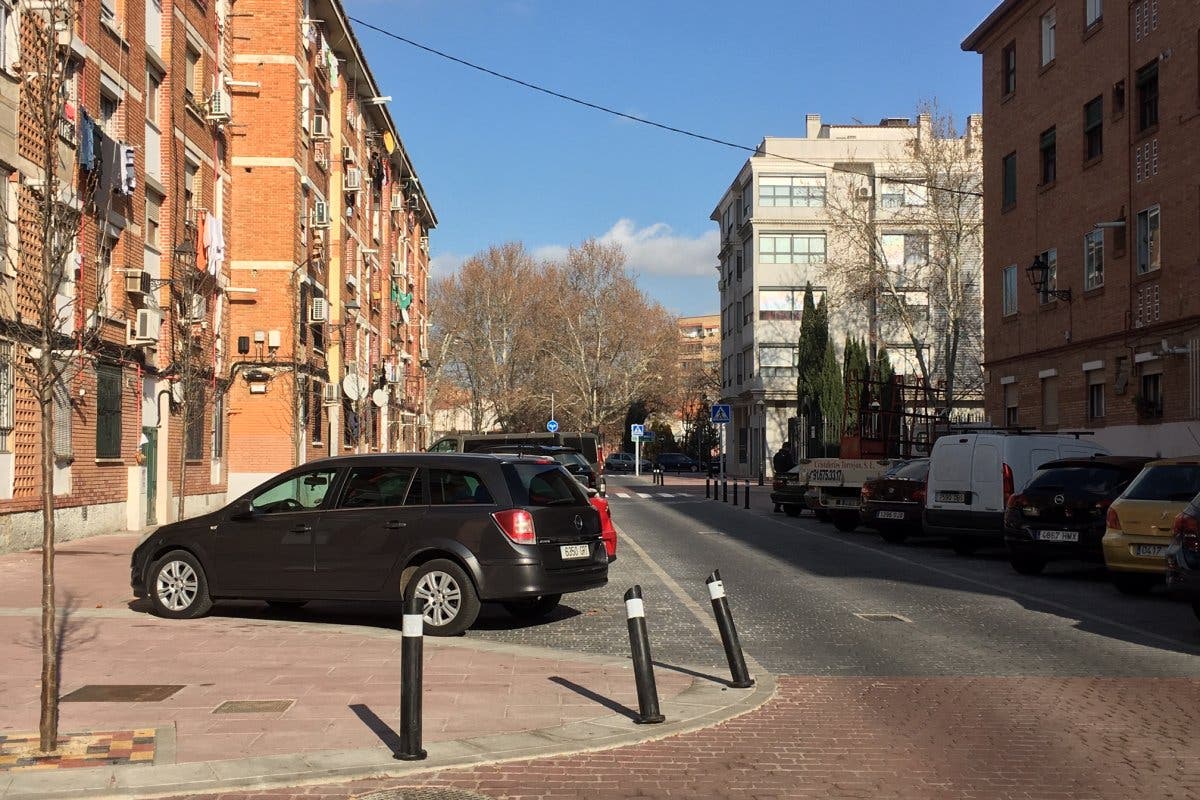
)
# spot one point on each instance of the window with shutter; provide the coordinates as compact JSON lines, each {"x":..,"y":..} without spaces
{"x":6,"y":397}
{"x":195,"y":425}
{"x":317,"y":409}
{"x":108,"y":411}
{"x":62,"y":419}
{"x":218,"y":428}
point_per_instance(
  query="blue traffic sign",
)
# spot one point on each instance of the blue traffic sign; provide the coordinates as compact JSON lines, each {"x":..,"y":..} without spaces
{"x":721,"y":414}
{"x":552,"y":426}
{"x":637,"y":431}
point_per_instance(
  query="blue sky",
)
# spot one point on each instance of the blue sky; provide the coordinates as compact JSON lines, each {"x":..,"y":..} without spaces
{"x":501,"y":163}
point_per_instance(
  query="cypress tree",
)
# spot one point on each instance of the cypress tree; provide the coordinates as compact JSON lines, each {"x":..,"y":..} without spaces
{"x":810,"y":350}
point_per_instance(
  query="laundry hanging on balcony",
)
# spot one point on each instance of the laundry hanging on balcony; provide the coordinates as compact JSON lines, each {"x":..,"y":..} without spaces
{"x":128,"y":183}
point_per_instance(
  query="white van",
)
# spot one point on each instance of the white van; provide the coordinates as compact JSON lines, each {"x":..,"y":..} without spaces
{"x":972,"y":475}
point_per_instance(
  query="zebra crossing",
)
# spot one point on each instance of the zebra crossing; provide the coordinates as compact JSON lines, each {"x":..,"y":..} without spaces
{"x":628,"y":495}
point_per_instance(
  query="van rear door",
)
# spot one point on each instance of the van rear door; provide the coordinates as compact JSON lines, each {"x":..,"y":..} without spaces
{"x":987,"y":480}
{"x":950,"y":476}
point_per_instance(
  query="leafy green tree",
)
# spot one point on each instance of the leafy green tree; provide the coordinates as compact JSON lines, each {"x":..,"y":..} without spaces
{"x":828,"y":417}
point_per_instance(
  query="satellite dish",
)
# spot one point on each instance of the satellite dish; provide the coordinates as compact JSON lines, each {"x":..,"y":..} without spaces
{"x":379,"y":398}
{"x":355,"y":387}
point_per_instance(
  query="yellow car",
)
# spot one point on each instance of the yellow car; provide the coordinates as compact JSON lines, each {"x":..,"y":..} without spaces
{"x":1138,"y":528}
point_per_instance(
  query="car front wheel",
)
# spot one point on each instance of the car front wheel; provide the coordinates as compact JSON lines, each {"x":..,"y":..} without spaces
{"x":178,"y":587}
{"x":533,"y":607}
{"x":450,"y":602}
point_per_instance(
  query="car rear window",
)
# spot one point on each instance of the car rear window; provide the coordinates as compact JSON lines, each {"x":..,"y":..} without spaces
{"x":1174,"y":482}
{"x":536,"y":484}
{"x":575,"y":460}
{"x":1089,"y":480}
{"x":913,"y":470}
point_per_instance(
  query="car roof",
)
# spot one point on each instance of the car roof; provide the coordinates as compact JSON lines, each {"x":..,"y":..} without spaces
{"x":1161,"y":462}
{"x":1116,"y":462}
{"x":380,"y":459}
{"x":532,"y":448}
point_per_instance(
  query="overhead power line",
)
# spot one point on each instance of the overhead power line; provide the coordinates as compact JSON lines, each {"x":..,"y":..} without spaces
{"x":631,"y":117}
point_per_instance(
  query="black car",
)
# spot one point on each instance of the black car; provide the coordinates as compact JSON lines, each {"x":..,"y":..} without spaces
{"x":572,"y":460}
{"x":788,"y":493}
{"x":1060,"y":513}
{"x":1183,"y":556}
{"x":451,"y":529}
{"x":676,"y":462}
{"x":892,"y":503}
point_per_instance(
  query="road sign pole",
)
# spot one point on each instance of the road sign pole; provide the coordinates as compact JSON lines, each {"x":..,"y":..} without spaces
{"x":637,"y":457}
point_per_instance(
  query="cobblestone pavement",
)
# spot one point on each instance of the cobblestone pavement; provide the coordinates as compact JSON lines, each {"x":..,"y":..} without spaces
{"x":882,"y":738}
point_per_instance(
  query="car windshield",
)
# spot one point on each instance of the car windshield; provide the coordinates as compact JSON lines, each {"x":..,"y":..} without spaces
{"x":538,"y":484}
{"x":1096,"y":480}
{"x":1172,"y":482}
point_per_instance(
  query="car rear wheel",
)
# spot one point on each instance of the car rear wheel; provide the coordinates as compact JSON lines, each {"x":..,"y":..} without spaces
{"x":792,"y":510}
{"x":893,"y":534}
{"x":1027,"y":565}
{"x":1134,"y":582}
{"x":533,"y":607}
{"x":450,"y":602}
{"x":178,"y":588}
{"x":845,"y":522}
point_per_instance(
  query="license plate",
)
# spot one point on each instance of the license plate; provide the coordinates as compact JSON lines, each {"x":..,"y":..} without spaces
{"x":951,"y":497}
{"x":1058,"y":536}
{"x":842,"y":501}
{"x":1149,"y":549}
{"x":889,"y":515}
{"x":574,"y":551}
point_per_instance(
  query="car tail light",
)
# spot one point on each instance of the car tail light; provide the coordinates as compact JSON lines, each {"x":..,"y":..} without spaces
{"x":778,"y":483}
{"x":1008,"y":483}
{"x":1112,"y":521}
{"x":1015,"y":502}
{"x":867,"y":491}
{"x":517,"y":525}
{"x":1187,"y":530}
{"x":918,"y":495}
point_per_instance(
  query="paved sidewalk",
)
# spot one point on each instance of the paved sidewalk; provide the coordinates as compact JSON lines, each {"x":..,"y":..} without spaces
{"x":337,"y":688}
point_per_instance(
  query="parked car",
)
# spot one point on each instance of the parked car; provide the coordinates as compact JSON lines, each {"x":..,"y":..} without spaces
{"x":893,"y":503}
{"x":452,"y":530}
{"x":1183,"y":556}
{"x":676,"y":462}
{"x":1139,"y":523}
{"x":788,"y":492}
{"x":972,"y":476}
{"x":1060,"y":513}
{"x":572,"y":460}
{"x":621,"y":462}
{"x":583,"y":441}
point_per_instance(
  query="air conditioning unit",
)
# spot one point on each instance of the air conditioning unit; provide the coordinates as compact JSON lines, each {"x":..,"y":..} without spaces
{"x":863,"y":193}
{"x":332,"y":394}
{"x":397,"y":202}
{"x":320,"y":126}
{"x":199,"y":308}
{"x":219,"y":106}
{"x":137,"y":281}
{"x":352,"y":181}
{"x":320,"y":214}
{"x":397,"y":269}
{"x":145,"y":326}
{"x":318,"y":311}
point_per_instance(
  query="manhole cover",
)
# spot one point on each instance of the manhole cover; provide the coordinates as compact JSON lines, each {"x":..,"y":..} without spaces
{"x":421,"y":793}
{"x":121,"y":693}
{"x":253,"y":706}
{"x":883,"y":618}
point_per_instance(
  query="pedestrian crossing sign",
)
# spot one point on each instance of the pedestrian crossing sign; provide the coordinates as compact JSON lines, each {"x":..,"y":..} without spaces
{"x":637,"y":431}
{"x":721,"y":414}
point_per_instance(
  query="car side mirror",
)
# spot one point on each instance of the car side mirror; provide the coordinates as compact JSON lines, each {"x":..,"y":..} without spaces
{"x":241,"y":509}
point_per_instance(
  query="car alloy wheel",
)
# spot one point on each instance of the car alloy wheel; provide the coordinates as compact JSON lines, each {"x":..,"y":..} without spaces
{"x":447,"y":594}
{"x":177,"y":585}
{"x":442,"y":596}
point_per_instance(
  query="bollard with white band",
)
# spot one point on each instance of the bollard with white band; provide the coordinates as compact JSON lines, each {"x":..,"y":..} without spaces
{"x":412,"y":647}
{"x":729,"y":637}
{"x":643,"y":667}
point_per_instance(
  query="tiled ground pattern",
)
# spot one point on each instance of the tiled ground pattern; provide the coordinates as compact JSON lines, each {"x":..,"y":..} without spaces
{"x":19,"y":751}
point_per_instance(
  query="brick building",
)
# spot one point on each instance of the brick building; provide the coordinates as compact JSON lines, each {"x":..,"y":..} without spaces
{"x":141,"y":158}
{"x":329,"y":341}
{"x":1091,"y":167}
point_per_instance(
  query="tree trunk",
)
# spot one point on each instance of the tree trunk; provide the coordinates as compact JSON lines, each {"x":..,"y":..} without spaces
{"x":48,"y":728}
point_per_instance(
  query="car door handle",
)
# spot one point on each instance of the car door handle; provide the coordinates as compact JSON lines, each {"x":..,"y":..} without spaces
{"x":395,"y":525}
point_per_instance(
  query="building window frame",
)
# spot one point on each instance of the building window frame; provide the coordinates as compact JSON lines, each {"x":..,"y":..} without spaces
{"x":1146,"y":84}
{"x":1049,"y":23}
{"x":108,"y":411}
{"x":7,"y":395}
{"x":1008,"y":290}
{"x":1008,"y":166}
{"x":1093,"y":12}
{"x":1093,"y":259}
{"x":793,"y":253}
{"x":1012,"y":400}
{"x":1149,"y":239}
{"x":1095,"y":396}
{"x":1008,"y":69}
{"x":1048,"y":148}
{"x":1093,"y":129}
{"x":792,"y":191}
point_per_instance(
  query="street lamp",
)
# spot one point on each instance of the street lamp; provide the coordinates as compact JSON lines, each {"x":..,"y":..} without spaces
{"x":1039,"y":278}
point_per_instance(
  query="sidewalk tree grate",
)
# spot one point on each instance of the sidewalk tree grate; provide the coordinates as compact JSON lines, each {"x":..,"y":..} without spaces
{"x":421,"y":793}
{"x":121,"y":693}
{"x":883,"y":618}
{"x":253,"y":706}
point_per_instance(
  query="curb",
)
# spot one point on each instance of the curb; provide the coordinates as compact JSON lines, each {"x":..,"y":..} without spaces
{"x":703,"y":704}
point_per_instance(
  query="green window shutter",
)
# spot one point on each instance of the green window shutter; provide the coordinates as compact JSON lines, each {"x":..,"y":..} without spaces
{"x":108,"y":412}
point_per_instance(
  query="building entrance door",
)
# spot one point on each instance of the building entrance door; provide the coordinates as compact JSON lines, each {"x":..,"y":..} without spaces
{"x":150,"y":451}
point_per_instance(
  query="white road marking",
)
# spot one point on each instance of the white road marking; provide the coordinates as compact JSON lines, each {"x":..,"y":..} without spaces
{"x":622,"y":495}
{"x":643,"y":496}
{"x":661,"y":494}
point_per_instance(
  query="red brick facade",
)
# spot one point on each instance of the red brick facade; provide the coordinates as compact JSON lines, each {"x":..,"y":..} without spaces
{"x":1116,"y":99}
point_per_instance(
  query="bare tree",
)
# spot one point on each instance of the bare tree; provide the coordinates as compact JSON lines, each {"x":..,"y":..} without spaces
{"x":913,"y":255}
{"x":52,"y":323}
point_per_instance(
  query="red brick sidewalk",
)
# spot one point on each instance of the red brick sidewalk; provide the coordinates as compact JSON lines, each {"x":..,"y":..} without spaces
{"x":921,"y":738}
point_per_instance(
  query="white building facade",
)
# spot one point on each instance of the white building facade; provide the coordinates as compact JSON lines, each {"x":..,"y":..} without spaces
{"x":778,"y":231}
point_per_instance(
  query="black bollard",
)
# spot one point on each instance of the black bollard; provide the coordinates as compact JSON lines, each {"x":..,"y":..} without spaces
{"x":735,"y":491}
{"x":412,"y":648}
{"x":725,"y":491}
{"x":707,"y":481}
{"x":747,"y":493}
{"x":643,"y":667}
{"x":761,"y":478}
{"x":729,"y":636}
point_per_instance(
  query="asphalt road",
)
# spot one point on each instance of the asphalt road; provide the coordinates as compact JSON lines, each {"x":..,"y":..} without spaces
{"x":796,"y":586}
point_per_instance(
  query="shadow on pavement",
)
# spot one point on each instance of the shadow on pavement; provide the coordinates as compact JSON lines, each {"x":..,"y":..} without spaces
{"x":685,"y":671}
{"x":389,"y":738}
{"x":607,"y":702}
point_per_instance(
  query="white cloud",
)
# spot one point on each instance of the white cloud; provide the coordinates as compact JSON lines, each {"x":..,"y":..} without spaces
{"x":445,"y":263}
{"x":655,"y":249}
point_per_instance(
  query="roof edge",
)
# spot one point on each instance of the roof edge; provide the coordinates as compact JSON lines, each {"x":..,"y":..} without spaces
{"x":971,"y":43}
